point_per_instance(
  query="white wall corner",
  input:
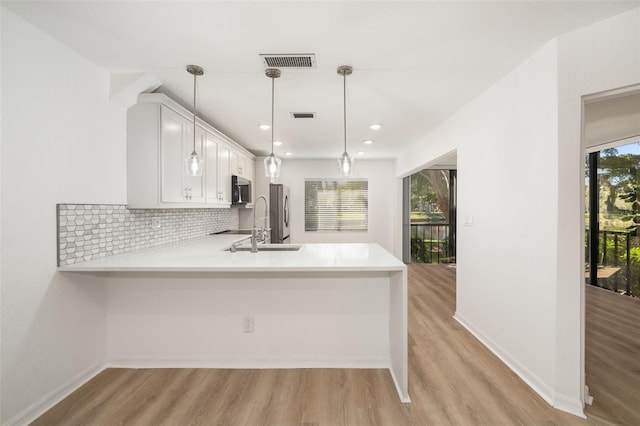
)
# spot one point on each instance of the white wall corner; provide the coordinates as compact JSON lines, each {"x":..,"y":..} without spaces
{"x":45,"y":403}
{"x":570,"y":405}
{"x":535,"y":383}
{"x":125,"y":87}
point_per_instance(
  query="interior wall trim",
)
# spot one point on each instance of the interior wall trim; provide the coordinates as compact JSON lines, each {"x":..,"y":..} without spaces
{"x":45,"y":403}
{"x":248,"y":363}
{"x":560,"y":402}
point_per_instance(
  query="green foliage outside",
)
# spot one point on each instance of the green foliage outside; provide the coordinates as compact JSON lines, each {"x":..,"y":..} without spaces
{"x":430,"y":196}
{"x":430,"y":216}
{"x":618,"y":258}
{"x":619,"y":214}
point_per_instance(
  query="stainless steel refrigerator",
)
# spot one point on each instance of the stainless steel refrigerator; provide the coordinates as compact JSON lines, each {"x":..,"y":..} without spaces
{"x":279,"y":213}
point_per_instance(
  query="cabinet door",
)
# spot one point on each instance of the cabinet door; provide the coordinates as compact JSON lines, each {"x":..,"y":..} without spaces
{"x":172,"y":138}
{"x":224,"y":173}
{"x":233,"y":163}
{"x":239,"y":164}
{"x":176,"y":144}
{"x":250,"y":172}
{"x":242,"y":166}
{"x":194,"y":186}
{"x":250,"y":169}
{"x":211,"y":169}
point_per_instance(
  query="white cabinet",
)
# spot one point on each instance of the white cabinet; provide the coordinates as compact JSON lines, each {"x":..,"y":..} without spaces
{"x":251,"y":175}
{"x":241,"y":165}
{"x":224,"y":173}
{"x":250,"y":169}
{"x":211,"y":166}
{"x":236,"y":163}
{"x":218,"y":177}
{"x":176,"y":144}
{"x":159,"y":139}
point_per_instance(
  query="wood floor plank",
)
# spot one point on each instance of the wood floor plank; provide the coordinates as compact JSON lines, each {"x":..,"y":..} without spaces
{"x":612,"y":356}
{"x":453,"y":380}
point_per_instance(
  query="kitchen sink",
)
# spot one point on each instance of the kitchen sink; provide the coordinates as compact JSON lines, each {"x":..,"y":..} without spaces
{"x":233,"y":232}
{"x":269,"y":247}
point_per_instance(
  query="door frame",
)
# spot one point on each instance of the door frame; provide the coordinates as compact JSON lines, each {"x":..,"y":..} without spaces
{"x":586,"y":100}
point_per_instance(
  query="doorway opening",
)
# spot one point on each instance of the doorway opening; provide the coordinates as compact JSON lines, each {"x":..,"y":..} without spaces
{"x":611,"y":294}
{"x":612,"y":238}
{"x":430,"y":216}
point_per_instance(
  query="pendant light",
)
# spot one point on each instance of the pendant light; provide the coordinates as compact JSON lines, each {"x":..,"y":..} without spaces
{"x":345,"y":163}
{"x":193,"y":163}
{"x":272,"y":164}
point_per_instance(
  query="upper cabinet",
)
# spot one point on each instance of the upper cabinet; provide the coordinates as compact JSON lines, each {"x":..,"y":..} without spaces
{"x":218,"y":180}
{"x":240,"y":165}
{"x":176,"y":143}
{"x":159,"y":139}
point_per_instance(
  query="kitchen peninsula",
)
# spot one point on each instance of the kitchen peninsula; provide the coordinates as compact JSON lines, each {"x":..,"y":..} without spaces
{"x":195,"y":304}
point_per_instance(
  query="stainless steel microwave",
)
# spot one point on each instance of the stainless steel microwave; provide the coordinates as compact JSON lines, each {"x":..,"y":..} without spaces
{"x":240,"y":190}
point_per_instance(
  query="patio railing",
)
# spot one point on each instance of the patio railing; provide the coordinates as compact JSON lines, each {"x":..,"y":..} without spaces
{"x":615,"y":269}
{"x":431,"y":243}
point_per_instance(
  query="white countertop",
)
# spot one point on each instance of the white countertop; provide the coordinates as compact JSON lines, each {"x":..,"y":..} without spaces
{"x":208,"y":254}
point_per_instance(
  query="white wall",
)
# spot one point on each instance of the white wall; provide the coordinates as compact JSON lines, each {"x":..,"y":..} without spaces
{"x":62,"y":141}
{"x":383,"y":210}
{"x":520,"y":177}
{"x":600,"y":57}
{"x":506,"y":183}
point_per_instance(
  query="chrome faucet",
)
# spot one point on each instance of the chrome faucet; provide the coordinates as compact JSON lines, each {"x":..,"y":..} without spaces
{"x":234,"y":246}
{"x":254,"y":230}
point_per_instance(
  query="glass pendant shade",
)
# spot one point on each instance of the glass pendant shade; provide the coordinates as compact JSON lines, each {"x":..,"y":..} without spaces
{"x":346,"y":164}
{"x":272,"y":166}
{"x":193,"y":165}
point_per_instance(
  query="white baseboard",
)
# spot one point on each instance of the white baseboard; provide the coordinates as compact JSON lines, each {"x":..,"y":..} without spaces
{"x":233,"y":363}
{"x":403,"y":398}
{"x":48,"y":401}
{"x":256,"y":364}
{"x":569,"y":405}
{"x":45,"y":403}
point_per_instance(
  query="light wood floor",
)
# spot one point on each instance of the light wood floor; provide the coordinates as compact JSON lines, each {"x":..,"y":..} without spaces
{"x":612,"y":356}
{"x":453,"y":380}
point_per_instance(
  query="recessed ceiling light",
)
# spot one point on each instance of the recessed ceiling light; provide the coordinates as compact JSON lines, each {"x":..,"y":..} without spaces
{"x":288,"y":153}
{"x":360,"y":152}
{"x":265,"y":127}
{"x":375,"y":126}
{"x":367,"y":141}
{"x":277,"y":143}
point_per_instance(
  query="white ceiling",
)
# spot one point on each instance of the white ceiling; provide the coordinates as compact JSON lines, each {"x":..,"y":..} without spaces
{"x":415,"y":63}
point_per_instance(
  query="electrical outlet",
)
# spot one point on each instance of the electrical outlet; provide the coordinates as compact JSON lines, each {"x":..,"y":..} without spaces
{"x":155,"y":223}
{"x":247,"y":324}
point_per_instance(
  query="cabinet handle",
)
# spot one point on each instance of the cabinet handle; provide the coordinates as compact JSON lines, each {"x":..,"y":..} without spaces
{"x":187,"y":193}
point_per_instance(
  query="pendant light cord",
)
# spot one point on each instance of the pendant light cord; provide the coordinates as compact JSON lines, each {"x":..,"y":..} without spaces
{"x":273,"y":84}
{"x":344,"y":97}
{"x":194,"y":111}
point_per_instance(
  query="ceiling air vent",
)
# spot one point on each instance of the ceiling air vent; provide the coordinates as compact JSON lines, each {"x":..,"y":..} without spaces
{"x":303,"y":114}
{"x":301,"y":60}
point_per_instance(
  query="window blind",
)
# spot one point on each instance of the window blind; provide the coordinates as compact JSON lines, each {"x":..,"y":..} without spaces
{"x":336,"y":205}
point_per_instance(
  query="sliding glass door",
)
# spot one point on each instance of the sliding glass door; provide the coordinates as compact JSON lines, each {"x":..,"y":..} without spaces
{"x":430,"y":217}
{"x":612,"y":219}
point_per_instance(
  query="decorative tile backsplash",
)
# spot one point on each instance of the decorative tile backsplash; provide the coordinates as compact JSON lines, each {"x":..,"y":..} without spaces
{"x":91,"y":231}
